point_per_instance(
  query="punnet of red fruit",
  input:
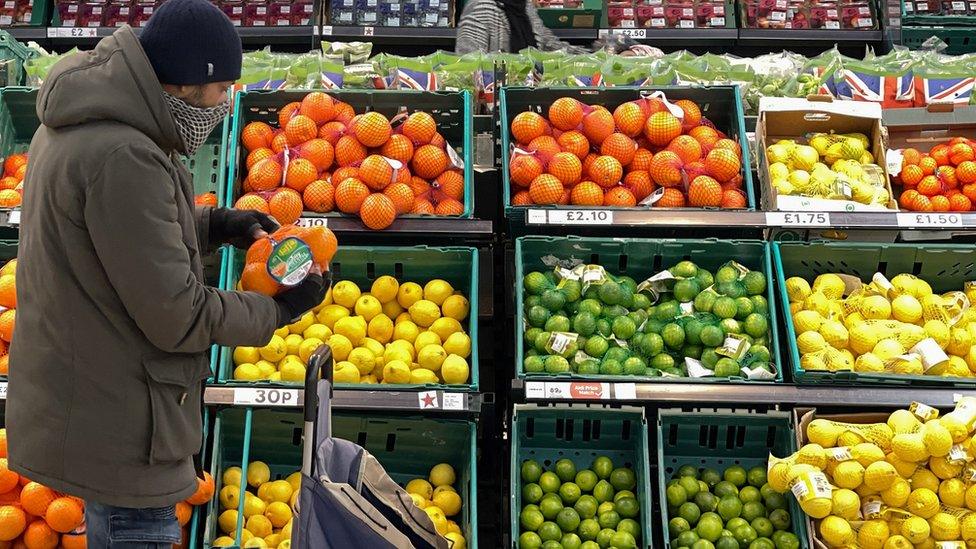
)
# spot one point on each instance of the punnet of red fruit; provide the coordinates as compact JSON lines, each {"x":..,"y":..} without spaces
{"x":646,"y":152}
{"x":943,"y":179}
{"x":322,"y":157}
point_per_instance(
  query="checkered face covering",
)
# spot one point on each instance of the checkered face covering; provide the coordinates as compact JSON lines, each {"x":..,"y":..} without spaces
{"x":195,"y":123}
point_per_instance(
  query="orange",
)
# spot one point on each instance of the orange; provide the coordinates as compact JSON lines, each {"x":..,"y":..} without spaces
{"x":606,"y":171}
{"x":342,"y":174}
{"x":639,"y":183}
{"x":661,"y":128}
{"x":545,"y":189}
{"x":419,"y":186}
{"x":7,"y":322}
{"x":265,"y":175}
{"x":940,"y":153}
{"x":429,"y":161}
{"x":526,"y":126}
{"x":286,"y":206}
{"x":704,"y":192}
{"x":930,"y":186}
{"x":642,"y":160}
{"x":344,"y":112}
{"x":259,"y":251}
{"x":620,"y":147}
{"x":620,"y":197}
{"x":3,"y":435}
{"x":399,"y":147}
{"x":969,"y":190}
{"x":422,"y":207}
{"x":732,"y":198}
{"x":722,"y":164}
{"x":300,"y":129}
{"x":598,"y":124}
{"x":940,"y":203}
{"x":20,"y":173}
{"x":319,"y":196}
{"x":449,"y":207}
{"x":907,"y":199}
{"x":252,"y":201}
{"x":687,"y":148}
{"x":420,"y":128}
{"x":726,"y":143}
{"x":377,"y":211}
{"x":349,"y":151}
{"x":323,"y":243}
{"x":332,"y":131}
{"x":402,"y":174}
{"x":255,"y":278}
{"x":912,"y":174}
{"x":451,"y":183}
{"x":921,"y":203}
{"x":960,"y":152}
{"x":39,"y":535}
{"x":693,"y":115}
{"x":566,"y":167}
{"x":300,"y":173}
{"x":574,"y":142}
{"x":279,"y":142}
{"x":965,"y":172}
{"x":672,"y":198}
{"x":705,"y":135}
{"x":522,"y":198}
{"x":11,"y":182}
{"x":588,"y":162}
{"x":12,"y":522}
{"x":350,"y":194}
{"x":566,"y":113}
{"x":630,"y":118}
{"x":319,"y":152}
{"x":587,"y":193}
{"x":65,"y":514}
{"x":376,"y":172}
{"x":928,"y":165}
{"x":183,"y":513}
{"x":13,"y":163}
{"x":35,"y":497}
{"x":947,"y":176}
{"x":960,"y":203}
{"x":257,"y":155}
{"x":402,"y":197}
{"x":372,"y":129}
{"x":318,"y":106}
{"x":256,"y":135}
{"x":287,"y":113}
{"x":666,"y":169}
{"x":438,"y":141}
{"x":910,"y":156}
{"x":564,"y":199}
{"x":9,"y":199}
{"x":544,"y":147}
{"x":8,"y":292}
{"x":523,"y":168}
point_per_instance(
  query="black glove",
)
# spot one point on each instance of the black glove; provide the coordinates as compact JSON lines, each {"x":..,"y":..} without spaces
{"x":237,"y":227}
{"x":297,"y":300}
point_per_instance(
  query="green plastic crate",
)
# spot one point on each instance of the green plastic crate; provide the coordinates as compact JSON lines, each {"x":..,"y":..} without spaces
{"x":719,"y":440}
{"x":18,"y":122}
{"x":363,"y":265}
{"x":549,"y":434}
{"x":451,"y":110}
{"x":720,"y":104}
{"x":944,"y":266}
{"x":639,"y":259}
{"x":959,"y":39}
{"x":406,"y":446}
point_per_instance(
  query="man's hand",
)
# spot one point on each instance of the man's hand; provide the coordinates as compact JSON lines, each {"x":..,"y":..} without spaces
{"x":308,"y":294}
{"x":239,"y":227}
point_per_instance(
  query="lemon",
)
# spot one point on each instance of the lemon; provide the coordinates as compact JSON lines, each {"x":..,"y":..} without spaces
{"x":457,"y":540}
{"x":797,"y":289}
{"x":295,"y":480}
{"x":834,"y":333}
{"x":292,"y":341}
{"x":905,"y":308}
{"x":392,"y":309}
{"x":345,"y":293}
{"x":959,"y":342}
{"x":345,"y":372}
{"x":353,"y":328}
{"x":796,"y":307}
{"x":824,"y":432}
{"x":817,"y":302}
{"x":246,"y":354}
{"x":437,"y":516}
{"x":280,"y":491}
{"x":955,"y":367}
{"x":915,"y":529}
{"x":459,"y":344}
{"x":385,"y":288}
{"x":423,"y":376}
{"x":406,"y":330}
{"x":248,"y":372}
{"x":810,"y":342}
{"x":863,"y":338}
{"x":229,"y":496}
{"x":944,"y":527}
{"x":224,"y":541}
{"x":369,"y":380}
{"x":418,"y":500}
{"x":404,"y":346}
{"x":380,"y":328}
{"x":909,"y":447}
{"x":849,"y":438}
{"x":394,"y":353}
{"x":880,"y":475}
{"x":402,"y":317}
{"x":368,"y":306}
{"x":887,"y":348}
{"x":290,"y":362}
{"x":409,"y":293}
{"x":363,"y":359}
{"x":910,"y":366}
{"x":252,"y":542}
{"x":396,"y":371}
{"x":937,"y":439}
{"x":275,"y":377}
{"x":340,"y":347}
{"x":875,"y":307}
{"x":440,"y":475}
{"x":942,"y":469}
{"x":807,"y":321}
{"x":937,"y":330}
{"x":852,"y":320}
{"x":836,"y":531}
{"x":897,"y":494}
{"x":278,"y":513}
{"x":431,"y":357}
{"x":317,"y":331}
{"x":873,"y":534}
{"x":438,"y":291}
{"x":327,"y":300}
{"x":813,"y":362}
{"x":449,"y":502}
{"x":282,"y":332}
{"x":444,"y":487}
{"x":903,"y":421}
{"x":454,"y":370}
{"x":231,"y":476}
{"x":957,"y":428}
{"x":845,"y":504}
{"x":923,"y":478}
{"x":259,"y":525}
{"x":330,"y":314}
{"x":228,"y":521}
{"x":420,"y":487}
{"x":302,"y":323}
{"x":869,"y":362}
{"x":831,"y":285}
{"x":374,"y":347}
{"x":445,"y":326}
{"x":273,"y":540}
{"x":923,"y":502}
{"x":425,"y":339}
{"x":867,"y":453}
{"x":953,"y":492}
{"x":275,"y":350}
{"x":848,"y":474}
{"x":286,"y":531}
{"x":424,"y":312}
{"x":456,"y":307}
{"x":967,"y":530}
{"x":812,"y":454}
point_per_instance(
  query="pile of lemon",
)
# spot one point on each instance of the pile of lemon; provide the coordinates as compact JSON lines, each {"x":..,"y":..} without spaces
{"x":394,"y":334}
{"x":267,"y":510}
{"x":438,"y":498}
{"x":883,"y":327}
{"x":901,"y":484}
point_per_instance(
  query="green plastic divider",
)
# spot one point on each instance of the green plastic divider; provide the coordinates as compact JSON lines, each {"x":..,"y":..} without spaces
{"x":547,"y":435}
{"x":719,"y":440}
{"x":944,"y":266}
{"x":720,"y":104}
{"x":362,"y":265}
{"x":638,"y":258}
{"x":451,"y":110}
{"x":406,"y":446}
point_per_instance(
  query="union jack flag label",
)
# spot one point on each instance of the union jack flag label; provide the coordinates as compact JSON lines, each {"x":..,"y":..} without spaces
{"x":958,"y":90}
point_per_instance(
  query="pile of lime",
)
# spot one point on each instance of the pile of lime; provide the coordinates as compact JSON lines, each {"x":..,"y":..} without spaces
{"x":685,"y":321}
{"x":735,"y":509}
{"x":579,"y":509}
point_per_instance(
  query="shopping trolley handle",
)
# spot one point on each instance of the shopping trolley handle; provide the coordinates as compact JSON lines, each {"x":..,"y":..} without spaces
{"x":321,"y":359}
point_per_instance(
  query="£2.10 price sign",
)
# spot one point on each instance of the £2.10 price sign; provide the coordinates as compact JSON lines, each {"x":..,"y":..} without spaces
{"x":570,"y":217}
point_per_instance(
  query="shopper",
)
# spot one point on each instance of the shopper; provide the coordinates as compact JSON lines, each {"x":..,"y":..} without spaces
{"x":505,"y":26}
{"x":115,"y":322}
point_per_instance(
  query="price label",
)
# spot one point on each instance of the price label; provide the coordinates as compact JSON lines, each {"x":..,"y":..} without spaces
{"x":625,"y":391}
{"x":266,"y":397}
{"x":313,"y":222}
{"x":3,"y":390}
{"x":580,"y":217}
{"x":72,"y":32}
{"x":686,"y":24}
{"x":535,"y":389}
{"x":326,"y":30}
{"x":13,"y":218}
{"x":427,"y":399}
{"x":452,"y":401}
{"x":367,"y":31}
{"x":798,"y":219}
{"x":633,"y":33}
{"x":929,"y":220}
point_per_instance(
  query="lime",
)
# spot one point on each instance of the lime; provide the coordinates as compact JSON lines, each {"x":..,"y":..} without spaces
{"x":605,"y":507}
{"x":531,"y":471}
{"x":676,"y":526}
{"x":569,"y":492}
{"x":626,"y":297}
{"x":693,"y":329}
{"x":535,"y":283}
{"x":553,"y":299}
{"x":584,"y":323}
{"x":557,"y":323}
{"x":727,"y":273}
{"x":623,"y":540}
{"x":552,"y":544}
{"x":690,"y":512}
{"x":623,"y":494}
{"x":550,"y":506}
{"x":588,"y":528}
{"x":651,"y":345}
{"x":530,"y":540}
{"x":653,"y":326}
{"x":710,"y":358}
{"x":627,"y":507}
{"x":780,"y":518}
{"x":596,"y":346}
{"x":532,"y":493}
{"x":702,"y":486}
{"x":634,"y":366}
{"x":549,"y":482}
{"x":759,"y":304}
{"x":662,"y":361}
{"x":603,"y":327}
{"x":550,"y":531}
{"x":673,"y":335}
{"x":726,"y":367}
{"x":602,"y":466}
{"x":703,"y":544}
{"x":610,"y":293}
{"x":568,"y":519}
{"x":591,"y":306}
{"x":617,"y":353}
{"x":684,"y":269}
{"x":676,"y":495}
{"x":611,"y":367}
{"x":555,"y":364}
{"x":531,"y":334}
{"x":541,"y":341}
{"x":687,"y":471}
{"x":705,"y":301}
{"x":690,"y":485}
{"x":757,"y":475}
{"x":704,"y":278}
{"x":686,"y":290}
{"x":712,"y":336}
{"x":604,"y":536}
{"x":623,"y":327}
{"x":744,"y":535}
{"x":754,"y":282}
{"x":571,"y":541}
{"x":641,"y":302}
{"x":730,"y":326}
{"x":787,"y":541}
{"x":608,"y":519}
{"x":586,"y":480}
{"x":729,"y":507}
{"x":706,"y":501}
{"x":533,"y":364}
{"x":709,"y":528}
{"x":756,"y":325}
{"x":565,"y":469}
{"x":711,"y":477}
{"x":743,"y":307}
{"x":731,"y":289}
{"x":531,"y":519}
{"x":630,"y":526}
{"x":532,"y":301}
{"x":762,"y":543}
{"x":667,"y":311}
{"x":724,"y":307}
{"x":537,"y":316}
{"x":573,"y":290}
{"x":586,"y":506}
{"x":753,"y":510}
{"x":735,"y":523}
{"x":736,"y":475}
{"x":693,"y":351}
{"x":686,"y":539}
{"x":725,"y":542}
{"x":749,"y":493}
{"x":588,"y":367}
{"x":762,"y":526}
{"x":603,"y":491}
{"x":761,"y":352}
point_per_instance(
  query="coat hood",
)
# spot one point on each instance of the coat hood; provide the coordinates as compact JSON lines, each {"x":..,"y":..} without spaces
{"x":114,"y":82}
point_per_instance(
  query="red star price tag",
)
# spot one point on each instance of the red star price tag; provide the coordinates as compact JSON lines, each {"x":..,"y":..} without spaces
{"x":427,"y":400}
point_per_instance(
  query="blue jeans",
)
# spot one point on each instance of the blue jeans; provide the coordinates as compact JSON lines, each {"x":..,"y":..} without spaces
{"x":111,"y":527}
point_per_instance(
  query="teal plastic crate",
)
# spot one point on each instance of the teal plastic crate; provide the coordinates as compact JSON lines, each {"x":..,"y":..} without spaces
{"x":639,"y":259}
{"x":549,"y":434}
{"x":18,"y":122}
{"x":959,"y":40}
{"x":720,"y":104}
{"x":945,"y":267}
{"x":719,"y":440}
{"x":363,"y":265}
{"x":406,"y":446}
{"x":451,"y":110}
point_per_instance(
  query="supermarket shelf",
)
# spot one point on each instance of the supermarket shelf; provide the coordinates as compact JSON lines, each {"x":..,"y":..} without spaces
{"x":27,"y":33}
{"x":432,"y":226}
{"x":349,"y":399}
{"x":839,"y":36}
{"x":433,"y":36}
{"x":730,"y":393}
{"x":254,"y":36}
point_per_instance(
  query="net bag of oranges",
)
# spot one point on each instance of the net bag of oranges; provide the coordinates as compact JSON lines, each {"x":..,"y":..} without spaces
{"x":285,"y":257}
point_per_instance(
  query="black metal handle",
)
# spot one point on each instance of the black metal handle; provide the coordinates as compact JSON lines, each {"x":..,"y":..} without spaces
{"x":321,"y":359}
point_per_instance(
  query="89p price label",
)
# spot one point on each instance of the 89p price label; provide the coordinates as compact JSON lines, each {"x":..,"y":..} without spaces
{"x":266,"y":397}
{"x":929,"y":220}
{"x":798,"y":219}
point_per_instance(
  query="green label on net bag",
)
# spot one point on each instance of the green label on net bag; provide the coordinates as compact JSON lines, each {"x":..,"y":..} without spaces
{"x":290,"y":261}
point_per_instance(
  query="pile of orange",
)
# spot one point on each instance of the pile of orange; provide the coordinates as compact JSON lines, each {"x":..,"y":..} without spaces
{"x":324,"y":157}
{"x":184,"y":509}
{"x":12,"y":181}
{"x":8,"y":310}
{"x":943,"y":180}
{"x":206,"y":199}
{"x":645,"y":151}
{"x":256,"y":278}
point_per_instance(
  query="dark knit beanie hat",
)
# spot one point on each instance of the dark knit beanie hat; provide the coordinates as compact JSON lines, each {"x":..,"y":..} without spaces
{"x":191,"y":42}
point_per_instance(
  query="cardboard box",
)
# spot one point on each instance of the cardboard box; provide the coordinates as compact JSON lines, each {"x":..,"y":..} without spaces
{"x":793,"y":118}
